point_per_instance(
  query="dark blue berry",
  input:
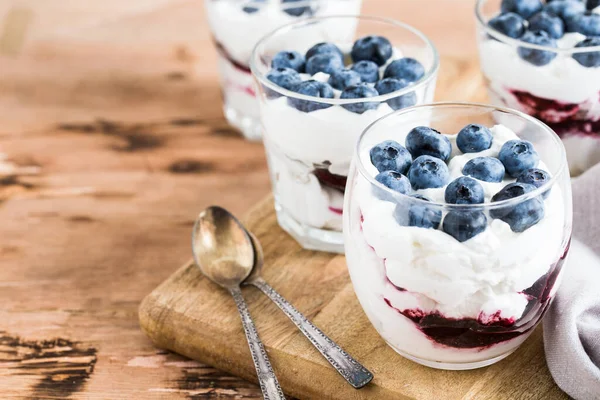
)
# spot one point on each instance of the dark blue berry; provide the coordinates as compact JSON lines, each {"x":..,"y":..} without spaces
{"x":311,"y":88}
{"x":343,"y":78}
{"x":523,"y":215}
{"x":474,"y":138}
{"x":549,"y":23}
{"x":428,"y":172}
{"x":328,"y":63}
{"x":405,"y":68}
{"x":510,"y":24}
{"x":389,"y":85}
{"x":487,"y":169}
{"x":250,"y":8}
{"x":536,"y":177}
{"x":288,"y":59}
{"x":360,"y":91}
{"x":591,"y":4}
{"x":423,"y":140}
{"x":420,"y":215}
{"x":518,"y":156}
{"x":390,"y":156}
{"x":368,"y":71}
{"x":525,"y":8}
{"x":587,"y":23}
{"x":565,"y":8}
{"x":590,"y":59}
{"x":324,"y":48}
{"x":372,"y":48}
{"x":464,"y":190}
{"x":392,"y":180}
{"x":286,"y":78}
{"x":464,"y":225}
{"x":297,"y":11}
{"x":536,"y":56}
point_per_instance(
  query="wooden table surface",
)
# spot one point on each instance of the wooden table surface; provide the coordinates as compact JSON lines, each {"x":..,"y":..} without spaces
{"x":111,"y":141}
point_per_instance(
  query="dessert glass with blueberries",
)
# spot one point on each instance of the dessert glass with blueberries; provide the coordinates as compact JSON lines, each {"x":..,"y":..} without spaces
{"x":543,"y":58}
{"x":236,"y":26}
{"x":318,"y":95}
{"x":457,"y":228}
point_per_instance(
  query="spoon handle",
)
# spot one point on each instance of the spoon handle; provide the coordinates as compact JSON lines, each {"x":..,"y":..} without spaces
{"x":356,"y":374}
{"x":266,"y":377}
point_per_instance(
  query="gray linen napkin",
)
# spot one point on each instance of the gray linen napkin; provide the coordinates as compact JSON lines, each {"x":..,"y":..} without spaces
{"x":572,"y":325}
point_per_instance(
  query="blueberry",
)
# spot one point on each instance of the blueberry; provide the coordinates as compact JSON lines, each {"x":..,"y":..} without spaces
{"x":288,"y":59}
{"x":286,"y":78}
{"x":587,"y":23}
{"x":324,"y":48}
{"x":464,"y":225}
{"x":464,"y":190}
{"x":525,"y":8}
{"x":565,"y":8}
{"x":405,"y":68}
{"x":420,"y":215}
{"x":342,"y":78}
{"x":510,"y":24}
{"x":368,"y":71}
{"x":390,"y":156}
{"x":591,"y":4}
{"x":523,"y":215}
{"x":518,"y":156}
{"x":549,"y":23}
{"x":487,"y":169}
{"x":589,"y":59}
{"x":474,"y":138}
{"x":389,"y":85}
{"x":360,"y":91}
{"x":297,"y":11}
{"x":250,"y":9}
{"x":328,"y":63}
{"x":372,"y":48}
{"x":311,"y":88}
{"x":428,"y":172}
{"x":535,"y":56}
{"x":392,"y":180}
{"x":536,"y":177}
{"x":423,"y":140}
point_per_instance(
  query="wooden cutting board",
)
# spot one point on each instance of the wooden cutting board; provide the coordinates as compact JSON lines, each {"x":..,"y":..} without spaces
{"x":190,"y":315}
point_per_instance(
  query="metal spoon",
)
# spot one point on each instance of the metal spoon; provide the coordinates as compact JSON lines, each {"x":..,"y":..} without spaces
{"x":356,"y":374}
{"x":224,"y":252}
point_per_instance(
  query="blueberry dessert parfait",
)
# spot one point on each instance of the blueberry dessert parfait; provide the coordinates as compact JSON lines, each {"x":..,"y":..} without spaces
{"x":457,"y":230}
{"x":316,"y":99}
{"x":237,"y":25}
{"x":543,"y":58}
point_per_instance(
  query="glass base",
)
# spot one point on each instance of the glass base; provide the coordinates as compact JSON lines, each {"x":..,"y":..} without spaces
{"x":453,"y":366}
{"x":249,"y":126}
{"x":309,"y":237}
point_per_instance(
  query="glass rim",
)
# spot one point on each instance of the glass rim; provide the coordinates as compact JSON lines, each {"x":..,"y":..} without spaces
{"x":519,"y":43}
{"x":464,"y":207}
{"x":429,"y":75}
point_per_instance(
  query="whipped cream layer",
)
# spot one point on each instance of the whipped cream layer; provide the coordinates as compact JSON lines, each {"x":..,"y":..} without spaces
{"x":238,"y":31}
{"x":396,"y":268}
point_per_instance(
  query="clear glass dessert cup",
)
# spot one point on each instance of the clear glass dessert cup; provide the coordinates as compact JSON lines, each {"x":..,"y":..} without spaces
{"x":438,"y":301}
{"x":563,"y":92}
{"x":309,"y":151}
{"x":236,"y":26}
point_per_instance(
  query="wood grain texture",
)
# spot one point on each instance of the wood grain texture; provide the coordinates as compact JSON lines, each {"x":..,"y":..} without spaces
{"x":111,"y":125}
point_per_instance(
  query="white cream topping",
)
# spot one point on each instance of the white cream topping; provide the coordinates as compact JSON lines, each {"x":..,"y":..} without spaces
{"x":475,"y":278}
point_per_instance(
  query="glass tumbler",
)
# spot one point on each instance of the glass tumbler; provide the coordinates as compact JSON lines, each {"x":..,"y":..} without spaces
{"x":456,"y":300}
{"x":559,"y":85}
{"x":309,"y":140}
{"x":236,"y":27}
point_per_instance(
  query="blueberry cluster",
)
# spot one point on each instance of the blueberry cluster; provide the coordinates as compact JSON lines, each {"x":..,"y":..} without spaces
{"x":421,"y":164}
{"x":542,"y":24}
{"x":366,"y":72}
{"x":253,"y":6}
